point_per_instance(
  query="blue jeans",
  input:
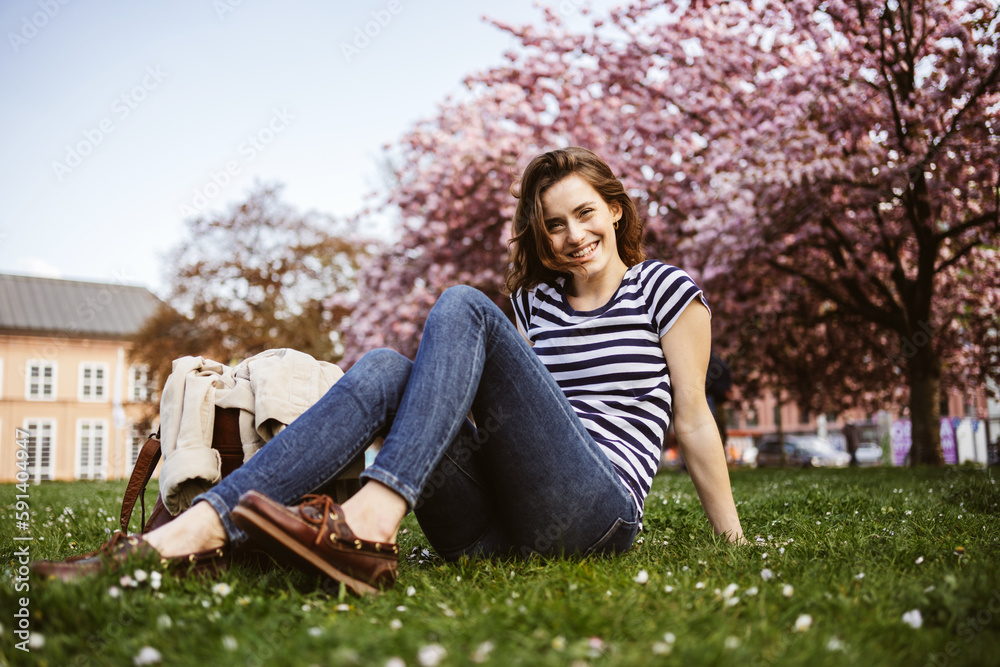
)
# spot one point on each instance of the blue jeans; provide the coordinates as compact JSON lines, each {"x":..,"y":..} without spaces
{"x":528,"y":478}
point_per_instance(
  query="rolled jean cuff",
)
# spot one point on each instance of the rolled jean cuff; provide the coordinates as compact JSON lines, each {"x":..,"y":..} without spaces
{"x":235,"y":535}
{"x":409,"y":494}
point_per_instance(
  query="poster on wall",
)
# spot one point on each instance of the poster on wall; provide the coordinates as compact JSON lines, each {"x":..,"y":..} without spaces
{"x":949,"y":446}
{"x":901,"y":437}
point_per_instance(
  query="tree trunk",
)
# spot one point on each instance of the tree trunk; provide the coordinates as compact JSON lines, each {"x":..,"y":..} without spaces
{"x":925,"y":406}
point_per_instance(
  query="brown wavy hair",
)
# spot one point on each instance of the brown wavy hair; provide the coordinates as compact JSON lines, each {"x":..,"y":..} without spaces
{"x":531,"y":258}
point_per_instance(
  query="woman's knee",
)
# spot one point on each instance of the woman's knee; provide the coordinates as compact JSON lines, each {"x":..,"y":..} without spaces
{"x":461,"y":301}
{"x":462,"y":294}
{"x":386,"y":361}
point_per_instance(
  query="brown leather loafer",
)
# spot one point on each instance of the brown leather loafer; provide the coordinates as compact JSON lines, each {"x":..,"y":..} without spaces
{"x":120,"y":549}
{"x":314,"y":537}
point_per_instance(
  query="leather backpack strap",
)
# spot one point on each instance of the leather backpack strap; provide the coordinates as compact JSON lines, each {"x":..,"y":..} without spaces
{"x":145,"y":464}
{"x":225,"y":438}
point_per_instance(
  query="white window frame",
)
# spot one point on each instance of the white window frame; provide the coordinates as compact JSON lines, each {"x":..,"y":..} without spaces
{"x":93,"y":385}
{"x":88,"y":464}
{"x":136,"y":439}
{"x":139,"y":390}
{"x":53,"y":383}
{"x":37,"y":473}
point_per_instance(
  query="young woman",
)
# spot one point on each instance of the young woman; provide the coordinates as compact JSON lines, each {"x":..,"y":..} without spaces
{"x":571,"y":408}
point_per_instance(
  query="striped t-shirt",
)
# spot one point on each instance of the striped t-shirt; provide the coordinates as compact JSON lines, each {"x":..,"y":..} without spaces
{"x":609,"y":362}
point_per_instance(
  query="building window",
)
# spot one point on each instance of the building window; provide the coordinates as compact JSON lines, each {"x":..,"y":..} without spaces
{"x":41,"y":436}
{"x":93,"y":382}
{"x":752,"y":419}
{"x":138,"y":383}
{"x":41,"y":380}
{"x":136,"y":439}
{"x":90,"y":440}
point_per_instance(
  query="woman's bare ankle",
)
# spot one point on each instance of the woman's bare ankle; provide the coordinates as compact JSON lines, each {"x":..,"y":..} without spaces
{"x":375,"y":512}
{"x":197,"y":529}
{"x":370,"y":527}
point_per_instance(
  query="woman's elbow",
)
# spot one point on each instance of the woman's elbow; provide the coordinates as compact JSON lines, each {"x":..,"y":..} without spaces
{"x":693,"y":426}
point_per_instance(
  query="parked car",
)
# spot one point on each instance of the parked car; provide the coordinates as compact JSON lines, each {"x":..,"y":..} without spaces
{"x":802,"y":451}
{"x":868,"y":454}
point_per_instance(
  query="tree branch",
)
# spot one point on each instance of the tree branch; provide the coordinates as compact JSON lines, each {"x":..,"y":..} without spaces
{"x":859,"y":304}
{"x":958,"y":255}
{"x":859,"y":265}
{"x":971,"y":223}
{"x":984,"y":85}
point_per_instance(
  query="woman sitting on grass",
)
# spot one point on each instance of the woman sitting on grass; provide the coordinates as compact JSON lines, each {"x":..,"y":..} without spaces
{"x":571,"y":408}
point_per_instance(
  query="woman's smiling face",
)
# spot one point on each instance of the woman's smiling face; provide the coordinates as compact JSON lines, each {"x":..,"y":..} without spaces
{"x":580,"y":225}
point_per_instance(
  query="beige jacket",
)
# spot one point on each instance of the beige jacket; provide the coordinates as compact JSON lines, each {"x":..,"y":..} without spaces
{"x":271,"y":389}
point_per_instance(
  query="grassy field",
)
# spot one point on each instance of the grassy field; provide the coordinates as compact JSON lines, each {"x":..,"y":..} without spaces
{"x":875,"y":567}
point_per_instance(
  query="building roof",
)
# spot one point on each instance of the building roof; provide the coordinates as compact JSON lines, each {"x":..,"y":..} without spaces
{"x":47,"y":306}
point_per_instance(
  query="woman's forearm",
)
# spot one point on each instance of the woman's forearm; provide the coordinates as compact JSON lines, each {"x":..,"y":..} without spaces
{"x":686,"y":349}
{"x":706,"y":461}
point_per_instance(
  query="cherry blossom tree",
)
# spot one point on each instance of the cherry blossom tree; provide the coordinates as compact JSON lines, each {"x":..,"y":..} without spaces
{"x":828,"y":171}
{"x":452,"y":197}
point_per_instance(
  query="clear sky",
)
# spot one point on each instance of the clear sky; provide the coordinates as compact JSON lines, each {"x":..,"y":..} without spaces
{"x":119,"y":117}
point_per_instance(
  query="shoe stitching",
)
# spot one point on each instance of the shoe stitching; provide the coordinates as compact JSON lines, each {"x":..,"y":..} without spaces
{"x":327,"y":510}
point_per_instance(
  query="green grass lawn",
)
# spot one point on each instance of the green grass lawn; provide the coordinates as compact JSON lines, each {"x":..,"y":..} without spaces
{"x":839,"y":558}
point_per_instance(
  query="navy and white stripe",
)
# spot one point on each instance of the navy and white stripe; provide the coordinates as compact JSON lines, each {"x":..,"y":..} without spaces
{"x":609,"y":362}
